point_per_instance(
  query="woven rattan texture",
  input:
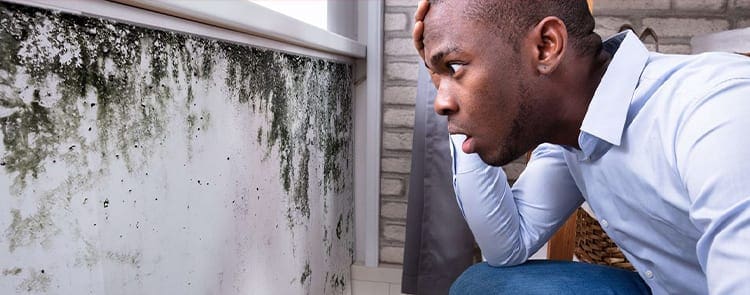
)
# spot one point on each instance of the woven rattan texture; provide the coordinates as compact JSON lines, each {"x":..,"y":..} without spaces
{"x":594,"y":246}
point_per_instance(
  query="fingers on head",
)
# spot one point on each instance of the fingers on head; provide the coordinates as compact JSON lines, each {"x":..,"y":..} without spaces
{"x":417,"y":35}
{"x":421,"y":10}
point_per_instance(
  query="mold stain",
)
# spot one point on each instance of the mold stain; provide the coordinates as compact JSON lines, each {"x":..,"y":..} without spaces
{"x":338,"y":282}
{"x":305,"y":273}
{"x":338,"y":228}
{"x":24,"y":231}
{"x":307,"y":101}
{"x":61,"y":74}
{"x":12,"y":271}
{"x":38,"y":281}
{"x":133,"y":259}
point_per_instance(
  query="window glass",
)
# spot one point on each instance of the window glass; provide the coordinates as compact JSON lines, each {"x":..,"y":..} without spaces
{"x":314,"y":12}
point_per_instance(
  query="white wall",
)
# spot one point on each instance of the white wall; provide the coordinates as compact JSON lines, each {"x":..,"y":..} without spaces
{"x":118,"y":178}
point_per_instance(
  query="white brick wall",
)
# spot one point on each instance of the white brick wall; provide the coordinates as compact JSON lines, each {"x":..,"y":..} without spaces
{"x":400,"y":95}
{"x":391,"y":187}
{"x":619,"y":5}
{"x":395,"y":21}
{"x":675,"y":22}
{"x":395,"y":210}
{"x":608,"y":26}
{"x":398,"y":118}
{"x":396,"y":165}
{"x":399,"y":46}
{"x":704,"y":5}
{"x":397,"y":141}
{"x":401,"y":71}
{"x":685,"y":27}
{"x":742,"y":4}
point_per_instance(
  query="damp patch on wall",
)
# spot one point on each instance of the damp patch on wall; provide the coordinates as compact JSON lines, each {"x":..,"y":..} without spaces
{"x":139,"y":160}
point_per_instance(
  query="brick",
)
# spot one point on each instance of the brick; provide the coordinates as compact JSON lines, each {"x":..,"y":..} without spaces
{"x":705,"y":5}
{"x":395,"y":21}
{"x":675,"y":48}
{"x":608,"y":26}
{"x":393,"y":255}
{"x":400,"y":47}
{"x":398,"y":118}
{"x":401,"y":3}
{"x":391,"y":187}
{"x":402,"y":71}
{"x":399,"y":141}
{"x":741,"y":4}
{"x":612,"y":5}
{"x":685,"y":27}
{"x":395,"y":165}
{"x":400,"y":95}
{"x":394,"y":232}
{"x":393,"y":210}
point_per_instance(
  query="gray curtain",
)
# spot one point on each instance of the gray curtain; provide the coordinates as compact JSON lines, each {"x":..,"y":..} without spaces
{"x":439,"y":245}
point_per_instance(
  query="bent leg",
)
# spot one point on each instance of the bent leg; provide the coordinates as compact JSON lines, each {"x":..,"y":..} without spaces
{"x":548,"y":277}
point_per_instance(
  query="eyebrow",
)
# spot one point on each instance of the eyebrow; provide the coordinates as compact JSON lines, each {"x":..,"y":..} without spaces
{"x":437,"y":57}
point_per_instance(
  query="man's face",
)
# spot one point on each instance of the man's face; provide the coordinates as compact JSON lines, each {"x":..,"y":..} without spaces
{"x":481,"y":84}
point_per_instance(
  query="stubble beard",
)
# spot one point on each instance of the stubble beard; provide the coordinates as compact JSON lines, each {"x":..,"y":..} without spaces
{"x":515,"y":144}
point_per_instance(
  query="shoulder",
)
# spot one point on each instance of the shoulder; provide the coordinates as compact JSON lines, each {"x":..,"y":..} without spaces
{"x":691,"y":73}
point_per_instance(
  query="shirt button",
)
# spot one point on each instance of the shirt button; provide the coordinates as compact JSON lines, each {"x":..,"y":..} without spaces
{"x":649,"y":274}
{"x":604,"y":223}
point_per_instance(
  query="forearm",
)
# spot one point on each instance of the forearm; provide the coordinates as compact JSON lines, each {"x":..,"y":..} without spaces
{"x":511,"y":224}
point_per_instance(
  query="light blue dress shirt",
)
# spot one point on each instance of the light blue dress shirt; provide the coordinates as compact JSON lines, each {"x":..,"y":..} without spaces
{"x":664,"y":164}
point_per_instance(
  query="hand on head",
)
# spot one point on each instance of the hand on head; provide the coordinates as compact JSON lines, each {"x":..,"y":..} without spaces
{"x":416,"y":35}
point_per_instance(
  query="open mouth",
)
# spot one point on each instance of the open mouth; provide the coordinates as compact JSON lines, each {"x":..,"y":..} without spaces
{"x":468,"y":145}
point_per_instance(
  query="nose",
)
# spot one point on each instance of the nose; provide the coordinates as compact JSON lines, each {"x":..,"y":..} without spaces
{"x":445,"y":103}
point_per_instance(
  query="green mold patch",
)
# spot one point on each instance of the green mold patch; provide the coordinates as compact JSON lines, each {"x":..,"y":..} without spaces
{"x":74,"y":86}
{"x":24,"y":231}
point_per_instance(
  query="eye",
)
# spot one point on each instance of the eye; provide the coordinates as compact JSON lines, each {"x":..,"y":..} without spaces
{"x":454,"y":67}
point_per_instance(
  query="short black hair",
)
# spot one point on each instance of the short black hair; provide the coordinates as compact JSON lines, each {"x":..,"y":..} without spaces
{"x":514,"y":18}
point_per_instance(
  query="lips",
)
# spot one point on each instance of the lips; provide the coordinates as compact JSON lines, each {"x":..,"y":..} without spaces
{"x":468,"y":145}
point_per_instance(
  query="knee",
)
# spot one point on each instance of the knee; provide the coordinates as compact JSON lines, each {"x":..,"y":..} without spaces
{"x":470,"y":281}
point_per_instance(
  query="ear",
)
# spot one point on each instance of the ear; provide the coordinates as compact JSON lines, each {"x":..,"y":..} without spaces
{"x":549,"y":40}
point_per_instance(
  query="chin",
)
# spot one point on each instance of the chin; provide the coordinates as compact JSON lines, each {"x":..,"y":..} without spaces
{"x":498,"y":158}
{"x":492,"y":161}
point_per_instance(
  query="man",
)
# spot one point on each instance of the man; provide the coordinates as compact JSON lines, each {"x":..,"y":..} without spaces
{"x":656,"y":144}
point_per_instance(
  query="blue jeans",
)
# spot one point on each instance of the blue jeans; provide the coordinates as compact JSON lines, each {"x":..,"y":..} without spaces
{"x":548,"y":277}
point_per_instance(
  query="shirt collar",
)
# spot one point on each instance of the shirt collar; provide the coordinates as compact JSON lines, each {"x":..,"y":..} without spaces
{"x":607,"y":113}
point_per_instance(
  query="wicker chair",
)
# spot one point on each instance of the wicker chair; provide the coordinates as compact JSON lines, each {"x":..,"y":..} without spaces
{"x":583,"y":236}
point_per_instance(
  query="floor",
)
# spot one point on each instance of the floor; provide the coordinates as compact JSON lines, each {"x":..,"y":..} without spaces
{"x":386,"y":278}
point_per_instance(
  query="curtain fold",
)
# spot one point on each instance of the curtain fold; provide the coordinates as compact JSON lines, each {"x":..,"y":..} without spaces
{"x":439,"y":245}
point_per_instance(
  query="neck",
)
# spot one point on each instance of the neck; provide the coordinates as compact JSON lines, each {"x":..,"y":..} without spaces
{"x":579,"y":80}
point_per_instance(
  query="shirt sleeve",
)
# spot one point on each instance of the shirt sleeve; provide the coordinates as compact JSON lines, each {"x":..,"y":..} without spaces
{"x":713,"y":159}
{"x":512,"y":224}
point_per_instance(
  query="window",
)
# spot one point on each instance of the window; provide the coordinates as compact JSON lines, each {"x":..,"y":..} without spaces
{"x":314,"y":12}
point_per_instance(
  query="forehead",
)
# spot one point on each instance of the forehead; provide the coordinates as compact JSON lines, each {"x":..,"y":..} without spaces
{"x":443,"y":21}
{"x":447,"y":29}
